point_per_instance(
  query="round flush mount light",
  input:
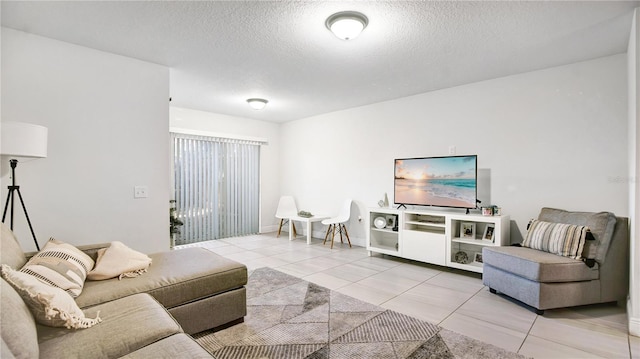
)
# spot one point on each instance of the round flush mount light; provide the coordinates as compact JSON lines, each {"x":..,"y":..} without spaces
{"x":347,"y":25}
{"x":257,"y":103}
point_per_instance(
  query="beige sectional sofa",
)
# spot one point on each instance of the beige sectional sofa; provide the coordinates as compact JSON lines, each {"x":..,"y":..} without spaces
{"x":150,"y":316}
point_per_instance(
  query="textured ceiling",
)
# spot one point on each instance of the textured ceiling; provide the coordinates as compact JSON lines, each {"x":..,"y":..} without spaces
{"x":221,"y":53}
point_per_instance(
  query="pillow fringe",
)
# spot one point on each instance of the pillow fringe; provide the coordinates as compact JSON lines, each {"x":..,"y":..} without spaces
{"x":71,"y":321}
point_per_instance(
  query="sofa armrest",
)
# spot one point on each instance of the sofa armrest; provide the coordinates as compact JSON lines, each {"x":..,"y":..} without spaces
{"x":614,"y":272}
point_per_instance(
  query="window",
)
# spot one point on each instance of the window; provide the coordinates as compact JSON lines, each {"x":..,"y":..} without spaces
{"x":217,"y":187}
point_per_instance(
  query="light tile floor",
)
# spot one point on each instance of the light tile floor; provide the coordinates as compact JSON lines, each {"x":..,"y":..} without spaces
{"x":453,"y":299}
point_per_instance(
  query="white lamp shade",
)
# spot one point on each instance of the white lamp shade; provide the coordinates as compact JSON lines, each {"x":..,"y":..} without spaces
{"x":23,"y":140}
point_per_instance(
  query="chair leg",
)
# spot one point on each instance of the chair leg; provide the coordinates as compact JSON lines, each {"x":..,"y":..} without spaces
{"x":333,"y":235}
{"x":280,"y":227}
{"x":327,"y":235}
{"x":346,"y":234}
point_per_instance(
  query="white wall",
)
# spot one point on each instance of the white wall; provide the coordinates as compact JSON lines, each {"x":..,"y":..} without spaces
{"x":555,"y":137}
{"x":633,"y":306}
{"x":236,"y":127}
{"x":108,"y":121}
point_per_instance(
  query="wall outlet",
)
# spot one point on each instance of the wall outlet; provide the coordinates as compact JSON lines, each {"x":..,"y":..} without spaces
{"x":140,"y":192}
{"x":452,"y":150}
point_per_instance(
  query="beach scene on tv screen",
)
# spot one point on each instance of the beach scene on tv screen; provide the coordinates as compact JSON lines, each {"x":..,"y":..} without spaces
{"x":438,"y":181}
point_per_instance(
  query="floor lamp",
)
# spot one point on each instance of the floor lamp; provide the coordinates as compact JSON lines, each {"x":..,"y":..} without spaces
{"x":21,"y":141}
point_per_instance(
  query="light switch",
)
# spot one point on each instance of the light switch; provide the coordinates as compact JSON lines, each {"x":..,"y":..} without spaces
{"x":140,"y":192}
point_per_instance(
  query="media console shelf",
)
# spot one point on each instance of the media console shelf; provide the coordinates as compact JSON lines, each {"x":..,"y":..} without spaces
{"x":385,"y":240}
{"x":447,"y":239}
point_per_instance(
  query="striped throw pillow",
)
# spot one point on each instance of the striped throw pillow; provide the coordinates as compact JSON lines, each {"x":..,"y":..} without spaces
{"x":563,"y":239}
{"x":60,"y":265}
{"x":49,"y":305}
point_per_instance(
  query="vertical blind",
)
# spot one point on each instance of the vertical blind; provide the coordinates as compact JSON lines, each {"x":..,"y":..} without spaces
{"x":216,"y":187}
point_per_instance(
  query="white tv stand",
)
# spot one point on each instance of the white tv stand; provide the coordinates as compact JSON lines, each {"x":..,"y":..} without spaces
{"x":435,"y":236}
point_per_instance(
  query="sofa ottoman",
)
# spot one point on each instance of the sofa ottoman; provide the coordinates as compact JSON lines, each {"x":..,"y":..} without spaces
{"x":201,"y":289}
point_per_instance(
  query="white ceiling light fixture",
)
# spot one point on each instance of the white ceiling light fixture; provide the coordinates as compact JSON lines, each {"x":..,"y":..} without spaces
{"x":347,"y":25}
{"x":257,"y":103}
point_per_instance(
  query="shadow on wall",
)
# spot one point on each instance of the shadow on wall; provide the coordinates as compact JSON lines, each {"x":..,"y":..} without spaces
{"x":359,"y":211}
{"x":484,"y":186}
{"x":516,"y":235}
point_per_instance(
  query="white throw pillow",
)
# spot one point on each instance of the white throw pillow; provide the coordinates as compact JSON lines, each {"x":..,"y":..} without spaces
{"x":61,"y":265}
{"x":120,"y":261}
{"x":49,"y":305}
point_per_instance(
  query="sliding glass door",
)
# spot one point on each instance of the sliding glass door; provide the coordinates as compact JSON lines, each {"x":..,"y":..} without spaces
{"x":217,"y":183}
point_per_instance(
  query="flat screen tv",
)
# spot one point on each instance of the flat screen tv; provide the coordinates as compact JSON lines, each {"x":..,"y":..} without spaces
{"x":449,"y":181}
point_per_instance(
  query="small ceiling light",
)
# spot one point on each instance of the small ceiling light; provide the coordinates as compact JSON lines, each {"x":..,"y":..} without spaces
{"x":347,"y":25}
{"x":257,"y":103}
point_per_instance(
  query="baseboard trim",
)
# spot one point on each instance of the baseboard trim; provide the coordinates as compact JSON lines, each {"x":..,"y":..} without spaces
{"x":269,"y":229}
{"x":317,"y":234}
{"x":634,"y":326}
{"x":634,"y":322}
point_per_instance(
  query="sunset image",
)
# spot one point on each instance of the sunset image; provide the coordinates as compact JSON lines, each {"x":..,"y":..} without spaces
{"x":436,"y":181}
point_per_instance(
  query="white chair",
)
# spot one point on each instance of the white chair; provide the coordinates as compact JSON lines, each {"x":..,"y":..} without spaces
{"x":336,"y":224}
{"x":286,"y":209}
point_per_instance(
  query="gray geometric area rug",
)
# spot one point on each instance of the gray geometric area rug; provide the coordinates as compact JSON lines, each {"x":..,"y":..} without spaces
{"x":290,"y":318}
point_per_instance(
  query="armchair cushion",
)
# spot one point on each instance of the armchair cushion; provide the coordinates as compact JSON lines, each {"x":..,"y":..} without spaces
{"x":565,"y":240}
{"x":538,"y":266}
{"x":601,"y":225}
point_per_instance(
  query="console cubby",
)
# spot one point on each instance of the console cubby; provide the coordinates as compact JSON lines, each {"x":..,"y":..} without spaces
{"x":386,"y":239}
{"x":465,"y":249}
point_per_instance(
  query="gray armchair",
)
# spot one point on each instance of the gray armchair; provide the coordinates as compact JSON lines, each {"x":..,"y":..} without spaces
{"x":544,"y":280}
